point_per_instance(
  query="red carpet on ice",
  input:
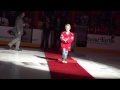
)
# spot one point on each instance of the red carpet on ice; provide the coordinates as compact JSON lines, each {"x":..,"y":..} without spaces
{"x":58,"y":70}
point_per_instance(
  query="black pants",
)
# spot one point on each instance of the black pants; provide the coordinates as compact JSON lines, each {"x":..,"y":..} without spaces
{"x":45,"y":39}
{"x":56,"y":39}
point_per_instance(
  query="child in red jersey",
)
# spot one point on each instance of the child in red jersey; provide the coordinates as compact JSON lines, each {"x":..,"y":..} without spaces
{"x":66,"y":38}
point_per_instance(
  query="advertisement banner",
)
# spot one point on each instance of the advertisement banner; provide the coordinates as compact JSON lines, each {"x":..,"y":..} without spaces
{"x":37,"y":36}
{"x":27,"y":35}
{"x":6,"y":33}
{"x":103,"y":42}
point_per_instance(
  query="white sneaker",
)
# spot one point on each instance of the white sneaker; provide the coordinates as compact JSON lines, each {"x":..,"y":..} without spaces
{"x":65,"y":61}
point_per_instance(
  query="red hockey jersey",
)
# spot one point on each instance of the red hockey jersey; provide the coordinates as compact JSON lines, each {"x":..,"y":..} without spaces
{"x":66,"y":40}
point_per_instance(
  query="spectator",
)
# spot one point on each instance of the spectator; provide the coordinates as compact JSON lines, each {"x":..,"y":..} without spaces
{"x":4,"y":20}
{"x":57,"y":32}
{"x":46,"y":33}
{"x":11,"y":18}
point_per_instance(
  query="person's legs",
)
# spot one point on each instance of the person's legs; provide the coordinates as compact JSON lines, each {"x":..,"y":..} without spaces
{"x":10,"y":44}
{"x":64,"y":55}
{"x":55,"y":40}
{"x":59,"y":41}
{"x":47,"y":40}
{"x":18,"y":43}
{"x":43,"y":40}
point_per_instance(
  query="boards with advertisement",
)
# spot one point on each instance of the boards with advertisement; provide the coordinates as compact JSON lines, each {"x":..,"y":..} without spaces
{"x":7,"y":34}
{"x":103,"y":42}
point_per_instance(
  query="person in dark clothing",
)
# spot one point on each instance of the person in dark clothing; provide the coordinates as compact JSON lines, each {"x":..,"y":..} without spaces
{"x":4,"y":20}
{"x":46,"y":33}
{"x":57,"y":32}
{"x":12,"y":17}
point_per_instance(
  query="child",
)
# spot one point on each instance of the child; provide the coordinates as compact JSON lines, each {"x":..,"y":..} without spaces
{"x":66,"y":38}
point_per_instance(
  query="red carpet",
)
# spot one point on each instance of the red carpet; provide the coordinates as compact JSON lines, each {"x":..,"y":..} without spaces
{"x":58,"y":70}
